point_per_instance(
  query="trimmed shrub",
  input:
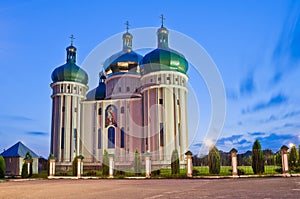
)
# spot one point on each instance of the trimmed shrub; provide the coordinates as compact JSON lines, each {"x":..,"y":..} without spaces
{"x":257,"y":158}
{"x":137,"y":164}
{"x":155,"y":173}
{"x":214,"y":160}
{"x":74,"y":167}
{"x":195,"y":172}
{"x":175,"y":163}
{"x":105,"y":163}
{"x":24,"y":173}
{"x":2,"y":167}
{"x":293,"y":158}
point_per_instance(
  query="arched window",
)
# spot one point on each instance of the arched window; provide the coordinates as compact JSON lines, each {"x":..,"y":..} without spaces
{"x":122,"y":138}
{"x":111,"y":137}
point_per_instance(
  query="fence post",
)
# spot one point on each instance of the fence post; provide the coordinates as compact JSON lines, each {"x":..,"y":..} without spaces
{"x":52,"y":167}
{"x":284,"y":159}
{"x":148,"y":164}
{"x":189,"y":165}
{"x":79,"y":166}
{"x":234,"y":162}
{"x":111,"y":165}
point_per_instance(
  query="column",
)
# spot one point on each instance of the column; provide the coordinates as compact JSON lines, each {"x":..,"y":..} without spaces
{"x":79,"y":166}
{"x":148,"y":164}
{"x":52,"y":167}
{"x":284,"y":158}
{"x":233,"y":153}
{"x":111,"y":165}
{"x":189,"y":165}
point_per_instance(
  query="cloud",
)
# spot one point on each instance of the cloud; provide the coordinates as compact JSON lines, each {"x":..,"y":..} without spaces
{"x":272,"y":102}
{"x":247,"y":86}
{"x":276,"y":78}
{"x":291,"y":114}
{"x":37,"y":133}
{"x":287,"y":49}
{"x":231,"y":94}
{"x":15,"y":118}
{"x":233,"y":138}
{"x":256,"y":133}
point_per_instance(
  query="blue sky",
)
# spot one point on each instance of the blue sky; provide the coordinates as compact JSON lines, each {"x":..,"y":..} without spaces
{"x":255,"y":45}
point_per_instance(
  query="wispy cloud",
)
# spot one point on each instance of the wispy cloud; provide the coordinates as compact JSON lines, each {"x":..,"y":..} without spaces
{"x":291,"y":114}
{"x":38,"y":133}
{"x":256,"y":133}
{"x":287,"y":49}
{"x":272,"y":102}
{"x":247,"y":86}
{"x":15,"y":118}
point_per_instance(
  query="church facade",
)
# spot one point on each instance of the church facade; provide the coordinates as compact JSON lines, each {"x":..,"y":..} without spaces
{"x":139,"y":104}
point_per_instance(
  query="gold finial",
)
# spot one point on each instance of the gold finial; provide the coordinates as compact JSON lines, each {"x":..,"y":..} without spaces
{"x":162,"y":20}
{"x":72,"y":39}
{"x":127,"y":25}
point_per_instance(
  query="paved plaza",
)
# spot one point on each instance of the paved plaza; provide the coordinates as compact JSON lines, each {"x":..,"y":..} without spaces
{"x":153,"y":188}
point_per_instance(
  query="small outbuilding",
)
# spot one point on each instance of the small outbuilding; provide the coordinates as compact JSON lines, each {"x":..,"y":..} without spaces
{"x":14,"y":159}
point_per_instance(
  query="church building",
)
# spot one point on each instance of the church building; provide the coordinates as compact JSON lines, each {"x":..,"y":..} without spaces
{"x":139,"y":104}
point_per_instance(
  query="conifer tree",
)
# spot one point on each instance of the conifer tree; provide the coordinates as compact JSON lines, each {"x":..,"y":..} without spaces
{"x":214,"y":160}
{"x":24,"y":173}
{"x":257,"y":158}
{"x":2,"y":167}
{"x":137,"y":162}
{"x":175,"y":162}
{"x":293,"y":158}
{"x":105,"y":163}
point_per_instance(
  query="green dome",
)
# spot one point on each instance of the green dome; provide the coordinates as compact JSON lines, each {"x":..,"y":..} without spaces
{"x":70,"y":71}
{"x":163,"y":58}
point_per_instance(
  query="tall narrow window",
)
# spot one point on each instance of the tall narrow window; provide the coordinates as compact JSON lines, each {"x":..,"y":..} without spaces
{"x":161,"y":134}
{"x":122,"y":138}
{"x":62,"y":138}
{"x":99,"y":111}
{"x":122,"y":109}
{"x":179,"y":138}
{"x":99,"y":139}
{"x":161,"y":101}
{"x":75,"y":139}
{"x":111,"y":137}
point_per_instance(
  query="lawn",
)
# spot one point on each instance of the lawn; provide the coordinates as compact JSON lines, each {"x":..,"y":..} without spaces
{"x":226,"y":170}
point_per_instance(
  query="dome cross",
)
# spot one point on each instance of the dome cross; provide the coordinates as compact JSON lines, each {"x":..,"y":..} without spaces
{"x":72,"y":39}
{"x":162,"y":20}
{"x":127,"y":25}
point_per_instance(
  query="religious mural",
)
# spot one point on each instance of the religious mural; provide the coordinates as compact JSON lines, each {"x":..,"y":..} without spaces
{"x":110,"y":115}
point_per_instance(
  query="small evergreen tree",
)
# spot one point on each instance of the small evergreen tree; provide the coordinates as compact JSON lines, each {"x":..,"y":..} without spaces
{"x":74,"y":166}
{"x":214,"y":160}
{"x":24,"y":173}
{"x":175,"y":163}
{"x":299,"y":155}
{"x":2,"y":167}
{"x":105,"y":163}
{"x":277,"y":159}
{"x":137,"y":163}
{"x":257,"y":158}
{"x":293,"y":158}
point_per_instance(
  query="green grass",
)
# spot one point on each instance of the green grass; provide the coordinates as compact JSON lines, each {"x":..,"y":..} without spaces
{"x":226,"y":170}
